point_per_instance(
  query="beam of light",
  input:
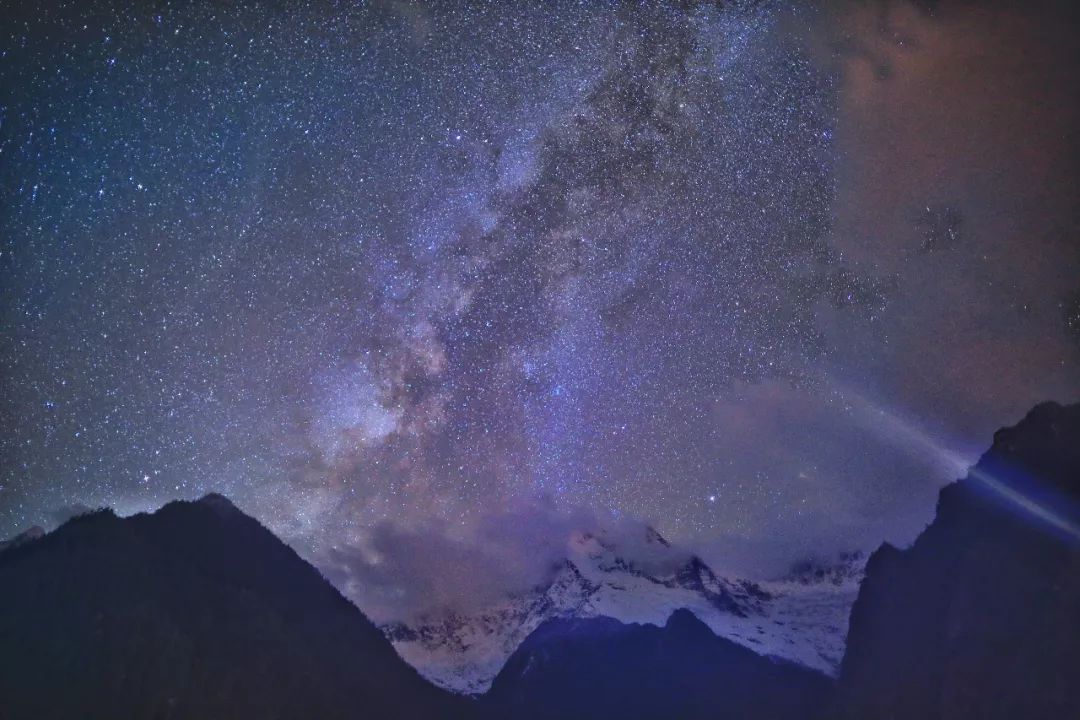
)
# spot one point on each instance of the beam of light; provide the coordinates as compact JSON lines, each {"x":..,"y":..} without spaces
{"x":903,"y":432}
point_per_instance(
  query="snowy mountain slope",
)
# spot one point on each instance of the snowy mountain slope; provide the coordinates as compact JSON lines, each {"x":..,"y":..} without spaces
{"x":802,"y":617}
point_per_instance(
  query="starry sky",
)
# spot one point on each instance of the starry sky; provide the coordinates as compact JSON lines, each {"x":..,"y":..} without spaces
{"x":426,"y":286}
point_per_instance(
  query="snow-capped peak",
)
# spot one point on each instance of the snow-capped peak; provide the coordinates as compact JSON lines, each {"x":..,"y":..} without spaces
{"x":635,"y":580}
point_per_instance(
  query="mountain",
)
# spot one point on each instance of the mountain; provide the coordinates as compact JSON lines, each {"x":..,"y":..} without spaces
{"x":22,"y":538}
{"x":195,"y":611}
{"x":601,"y":668}
{"x":802,"y":617}
{"x":198,"y":611}
{"x":980,"y":617}
{"x":845,"y":570}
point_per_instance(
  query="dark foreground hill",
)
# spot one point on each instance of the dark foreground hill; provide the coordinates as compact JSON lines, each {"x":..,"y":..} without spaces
{"x":601,"y":668}
{"x":198,"y":611}
{"x":980,"y":618}
{"x":195,"y":611}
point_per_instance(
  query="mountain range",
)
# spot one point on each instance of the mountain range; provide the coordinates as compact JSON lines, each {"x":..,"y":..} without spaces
{"x":198,"y":611}
{"x":801,"y":618}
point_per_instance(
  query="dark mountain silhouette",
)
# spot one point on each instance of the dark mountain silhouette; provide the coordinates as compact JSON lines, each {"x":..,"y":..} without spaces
{"x":601,"y":668}
{"x":195,"y":611}
{"x":22,"y":538}
{"x":198,"y":611}
{"x":980,"y":618}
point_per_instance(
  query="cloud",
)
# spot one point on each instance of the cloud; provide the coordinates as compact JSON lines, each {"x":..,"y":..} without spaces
{"x":398,"y":571}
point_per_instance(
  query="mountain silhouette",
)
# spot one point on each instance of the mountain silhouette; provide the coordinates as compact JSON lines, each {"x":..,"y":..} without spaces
{"x":195,"y":611}
{"x":601,"y":668}
{"x":198,"y":611}
{"x":980,"y":618}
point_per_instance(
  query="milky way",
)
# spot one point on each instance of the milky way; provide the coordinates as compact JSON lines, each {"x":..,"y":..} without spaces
{"x":411,"y":282}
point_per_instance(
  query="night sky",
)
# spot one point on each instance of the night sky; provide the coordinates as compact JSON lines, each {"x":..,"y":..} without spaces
{"x":423,"y":288}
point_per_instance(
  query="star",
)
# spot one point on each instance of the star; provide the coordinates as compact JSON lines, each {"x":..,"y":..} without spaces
{"x":366,"y":268}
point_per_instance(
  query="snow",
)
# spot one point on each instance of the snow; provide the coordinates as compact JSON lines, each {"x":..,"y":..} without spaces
{"x":802,"y":618}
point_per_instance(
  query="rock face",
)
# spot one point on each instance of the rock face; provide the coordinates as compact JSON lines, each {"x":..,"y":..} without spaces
{"x":601,"y":668}
{"x":196,"y":611}
{"x":980,"y":618}
{"x":802,"y":617}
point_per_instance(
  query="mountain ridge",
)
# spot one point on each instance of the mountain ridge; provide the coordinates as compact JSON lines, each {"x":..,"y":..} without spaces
{"x":802,"y":619}
{"x":600,"y":667}
{"x":193,"y":611}
{"x":198,"y":611}
{"x":979,"y":616}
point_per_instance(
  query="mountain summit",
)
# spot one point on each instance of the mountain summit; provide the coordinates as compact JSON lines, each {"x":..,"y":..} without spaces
{"x":601,"y":668}
{"x":980,"y":617}
{"x":194,"y":611}
{"x":801,"y":618}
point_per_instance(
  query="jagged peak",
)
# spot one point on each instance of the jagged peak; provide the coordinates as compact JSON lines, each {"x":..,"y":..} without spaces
{"x":1030,"y":471}
{"x":566,"y":565}
{"x":685,"y":618}
{"x":696,"y":567}
{"x":838,"y":569}
{"x":1038,"y":431}
{"x":652,"y":536}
